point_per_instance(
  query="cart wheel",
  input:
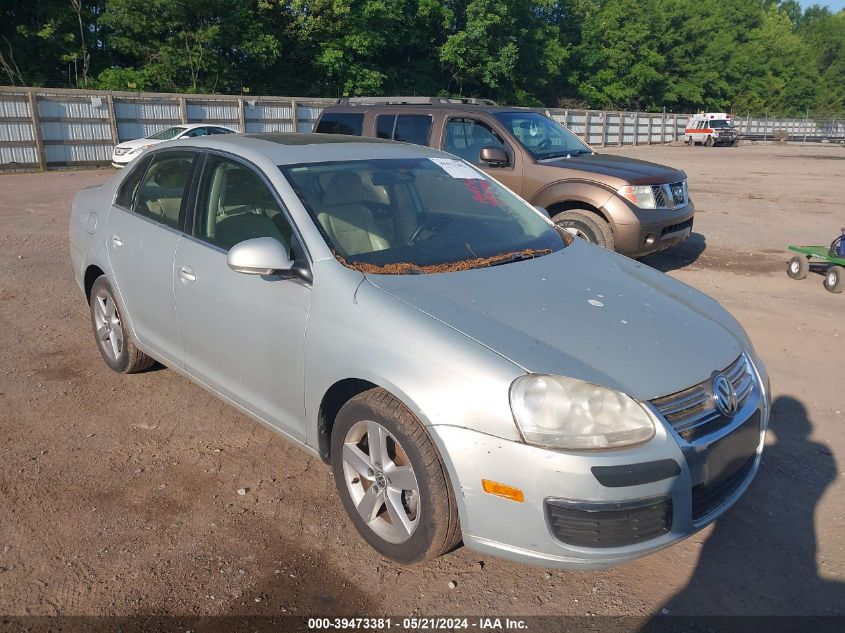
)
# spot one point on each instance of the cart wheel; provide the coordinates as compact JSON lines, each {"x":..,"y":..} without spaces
{"x":798,"y":267}
{"x":834,"y":279}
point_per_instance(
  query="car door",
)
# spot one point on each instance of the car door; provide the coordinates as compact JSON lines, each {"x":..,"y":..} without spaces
{"x":144,"y":226}
{"x":244,"y":335}
{"x":465,"y":136}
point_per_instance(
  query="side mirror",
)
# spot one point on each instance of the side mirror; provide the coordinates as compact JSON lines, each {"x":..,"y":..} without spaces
{"x":494,"y":155}
{"x":543,"y":210}
{"x":259,"y":256}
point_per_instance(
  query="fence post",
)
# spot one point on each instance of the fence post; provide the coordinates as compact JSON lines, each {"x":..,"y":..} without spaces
{"x":650,"y":118}
{"x":636,"y":128}
{"x":241,"y":114}
{"x":663,"y":126}
{"x":587,"y":126}
{"x":183,"y":110}
{"x":621,"y":129}
{"x":294,"y":116}
{"x":112,"y":119}
{"x":806,"y":123}
{"x":37,"y":133}
{"x":604,"y":128}
{"x":675,"y":127}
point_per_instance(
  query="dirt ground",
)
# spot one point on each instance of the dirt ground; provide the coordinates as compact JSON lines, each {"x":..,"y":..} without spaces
{"x":118,"y":494}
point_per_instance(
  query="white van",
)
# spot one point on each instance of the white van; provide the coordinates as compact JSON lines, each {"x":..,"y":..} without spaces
{"x":711,"y":128}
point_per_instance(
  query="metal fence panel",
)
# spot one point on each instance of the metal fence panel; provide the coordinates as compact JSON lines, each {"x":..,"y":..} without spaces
{"x":72,"y":127}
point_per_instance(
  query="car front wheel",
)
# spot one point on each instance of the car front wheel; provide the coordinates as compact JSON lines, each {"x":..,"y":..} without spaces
{"x":113,"y":339}
{"x":391,"y":480}
{"x":588,"y":226}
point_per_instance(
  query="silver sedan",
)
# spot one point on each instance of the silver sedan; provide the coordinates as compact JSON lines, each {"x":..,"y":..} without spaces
{"x":470,"y":373}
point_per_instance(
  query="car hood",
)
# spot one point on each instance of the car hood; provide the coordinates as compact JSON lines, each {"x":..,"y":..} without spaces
{"x":138,"y":142}
{"x":585,"y":313}
{"x":632,"y":170}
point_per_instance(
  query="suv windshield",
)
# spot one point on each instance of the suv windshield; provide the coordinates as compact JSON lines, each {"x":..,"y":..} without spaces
{"x":419,"y":215}
{"x":168,"y":133}
{"x":541,"y":136}
{"x":719,"y":123}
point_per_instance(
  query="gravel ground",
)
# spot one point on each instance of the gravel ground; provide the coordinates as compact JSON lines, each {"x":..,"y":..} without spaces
{"x":118,"y":494}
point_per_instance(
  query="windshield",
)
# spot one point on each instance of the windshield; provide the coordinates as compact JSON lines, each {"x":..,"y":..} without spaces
{"x":168,"y":133}
{"x":541,"y":136}
{"x":419,"y":215}
{"x":716,"y":123}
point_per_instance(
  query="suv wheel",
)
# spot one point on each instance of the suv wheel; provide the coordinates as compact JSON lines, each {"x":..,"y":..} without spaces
{"x":586,"y":225}
{"x":113,"y":339}
{"x":391,"y":480}
{"x":709,"y":142}
{"x":690,"y":142}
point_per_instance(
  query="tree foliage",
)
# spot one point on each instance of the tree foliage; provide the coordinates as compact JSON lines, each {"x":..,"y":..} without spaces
{"x":746,"y":55}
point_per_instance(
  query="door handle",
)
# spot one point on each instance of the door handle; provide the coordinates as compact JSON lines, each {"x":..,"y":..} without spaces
{"x":116,"y":241}
{"x":186,"y":273}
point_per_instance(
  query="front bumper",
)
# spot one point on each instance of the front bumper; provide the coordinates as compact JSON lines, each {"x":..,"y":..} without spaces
{"x":656,"y":230}
{"x":525,"y":532}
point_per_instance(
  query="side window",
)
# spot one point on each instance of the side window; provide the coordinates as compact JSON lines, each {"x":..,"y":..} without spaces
{"x":466,"y":137}
{"x":164,"y":188}
{"x":219,"y":130}
{"x":197,"y":131}
{"x":384,"y":125}
{"x":408,"y":128}
{"x":126,"y":191}
{"x":349,"y":123}
{"x":235,"y":205}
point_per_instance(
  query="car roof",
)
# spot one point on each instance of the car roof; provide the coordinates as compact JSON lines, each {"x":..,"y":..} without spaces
{"x":291,"y":148}
{"x":439,"y":107}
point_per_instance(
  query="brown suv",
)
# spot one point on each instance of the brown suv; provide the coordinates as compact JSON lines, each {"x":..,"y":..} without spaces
{"x":628,"y":205}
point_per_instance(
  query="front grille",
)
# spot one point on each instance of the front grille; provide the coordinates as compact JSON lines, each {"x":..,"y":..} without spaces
{"x":672,"y":228}
{"x":693,"y":413}
{"x":609,"y":524}
{"x":707,"y":498}
{"x":670,"y":196}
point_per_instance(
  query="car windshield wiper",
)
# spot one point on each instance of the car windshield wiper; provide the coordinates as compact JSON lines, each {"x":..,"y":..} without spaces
{"x":571,"y":152}
{"x":517,"y":256}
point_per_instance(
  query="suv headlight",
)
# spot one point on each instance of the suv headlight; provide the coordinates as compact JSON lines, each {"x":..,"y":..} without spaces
{"x":640,"y":195}
{"x":572,"y":414}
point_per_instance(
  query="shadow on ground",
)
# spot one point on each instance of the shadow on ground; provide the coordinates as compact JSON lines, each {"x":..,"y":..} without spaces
{"x":761,"y":559}
{"x":679,"y":256}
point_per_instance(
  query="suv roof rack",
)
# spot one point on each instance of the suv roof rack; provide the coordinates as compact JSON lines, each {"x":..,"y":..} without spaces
{"x":415,"y":100}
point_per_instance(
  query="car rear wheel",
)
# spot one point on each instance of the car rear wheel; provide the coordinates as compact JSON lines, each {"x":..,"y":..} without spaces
{"x":588,"y":226}
{"x":834,"y":279}
{"x":391,"y":480}
{"x":113,"y":339}
{"x":690,"y":142}
{"x":798,"y":267}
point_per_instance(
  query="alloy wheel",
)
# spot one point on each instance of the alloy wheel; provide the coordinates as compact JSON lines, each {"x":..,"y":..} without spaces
{"x":381,"y":481}
{"x":109,"y":330}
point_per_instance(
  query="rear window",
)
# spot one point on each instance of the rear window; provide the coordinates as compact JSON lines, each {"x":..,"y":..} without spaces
{"x":408,"y":128}
{"x":350,"y":124}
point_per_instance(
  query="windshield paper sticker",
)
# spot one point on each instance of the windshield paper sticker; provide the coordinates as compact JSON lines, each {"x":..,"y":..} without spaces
{"x":457,"y":168}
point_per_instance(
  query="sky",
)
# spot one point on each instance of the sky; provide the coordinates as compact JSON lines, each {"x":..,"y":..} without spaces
{"x":833,"y":5}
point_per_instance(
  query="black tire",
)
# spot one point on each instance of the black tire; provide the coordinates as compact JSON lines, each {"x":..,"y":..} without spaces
{"x":438,"y":529}
{"x":709,"y":142}
{"x":690,"y":142}
{"x":798,"y":267}
{"x":125,"y":357}
{"x":586,"y":225}
{"x":735,"y":142}
{"x":834,"y":279}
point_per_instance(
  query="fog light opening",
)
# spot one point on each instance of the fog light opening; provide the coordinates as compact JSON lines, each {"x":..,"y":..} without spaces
{"x":502,"y":490}
{"x":650,"y":240}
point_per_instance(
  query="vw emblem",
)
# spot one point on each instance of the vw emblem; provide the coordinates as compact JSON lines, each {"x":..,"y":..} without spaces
{"x":725,"y":395}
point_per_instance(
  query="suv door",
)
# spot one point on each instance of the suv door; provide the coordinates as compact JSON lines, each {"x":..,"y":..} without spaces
{"x":144,"y":226}
{"x":464,"y":136}
{"x":244,"y":335}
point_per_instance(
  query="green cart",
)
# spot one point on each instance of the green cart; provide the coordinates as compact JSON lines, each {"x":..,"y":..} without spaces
{"x":819,"y":259}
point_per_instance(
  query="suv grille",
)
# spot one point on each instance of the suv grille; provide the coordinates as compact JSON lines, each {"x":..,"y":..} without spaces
{"x":693,"y":413}
{"x":670,"y":196}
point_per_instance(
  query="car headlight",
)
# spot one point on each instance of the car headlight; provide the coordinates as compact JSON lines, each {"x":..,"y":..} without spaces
{"x":566,"y":413}
{"x":640,"y":195}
